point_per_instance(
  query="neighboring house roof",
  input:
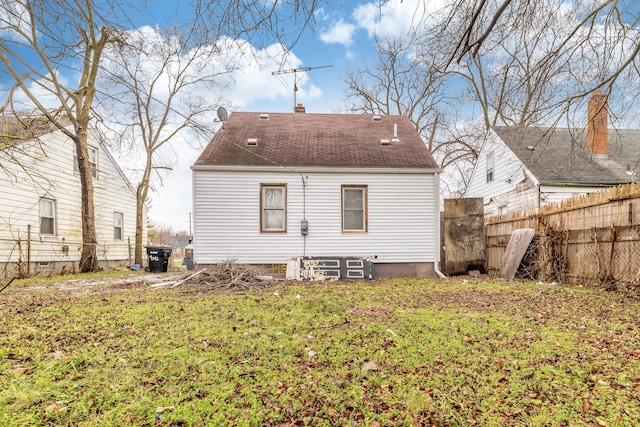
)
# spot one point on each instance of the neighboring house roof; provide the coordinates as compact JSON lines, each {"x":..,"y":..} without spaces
{"x":560,"y":155}
{"x":316,"y":140}
{"x":15,"y":128}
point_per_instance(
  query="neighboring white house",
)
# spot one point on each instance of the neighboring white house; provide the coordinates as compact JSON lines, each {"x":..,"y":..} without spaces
{"x":523,"y":168}
{"x":40,"y":204}
{"x":273,"y":186}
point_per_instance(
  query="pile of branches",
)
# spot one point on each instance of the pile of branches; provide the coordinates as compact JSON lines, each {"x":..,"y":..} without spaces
{"x":227,"y":275}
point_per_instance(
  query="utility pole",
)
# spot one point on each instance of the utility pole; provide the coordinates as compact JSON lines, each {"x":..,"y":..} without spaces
{"x":295,"y":72}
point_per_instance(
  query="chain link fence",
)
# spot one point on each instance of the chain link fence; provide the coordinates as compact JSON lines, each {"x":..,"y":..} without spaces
{"x":23,"y":258}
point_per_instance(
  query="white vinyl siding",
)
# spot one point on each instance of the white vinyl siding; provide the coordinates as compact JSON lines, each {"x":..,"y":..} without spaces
{"x":48,"y":161}
{"x":402,"y":217}
{"x":506,"y":171}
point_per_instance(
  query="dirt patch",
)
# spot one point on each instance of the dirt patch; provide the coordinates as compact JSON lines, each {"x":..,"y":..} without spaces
{"x":81,"y":287}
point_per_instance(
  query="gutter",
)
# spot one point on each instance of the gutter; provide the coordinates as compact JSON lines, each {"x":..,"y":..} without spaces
{"x":579,"y":184}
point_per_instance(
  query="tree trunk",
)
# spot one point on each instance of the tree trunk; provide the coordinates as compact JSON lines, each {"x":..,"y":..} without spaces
{"x":89,"y":254}
{"x":139,"y":229}
{"x":142,"y":192}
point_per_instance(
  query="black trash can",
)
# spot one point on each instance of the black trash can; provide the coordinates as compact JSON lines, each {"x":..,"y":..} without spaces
{"x":158,"y":258}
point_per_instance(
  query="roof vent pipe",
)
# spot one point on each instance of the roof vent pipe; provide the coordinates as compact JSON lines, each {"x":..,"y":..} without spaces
{"x":395,"y":133}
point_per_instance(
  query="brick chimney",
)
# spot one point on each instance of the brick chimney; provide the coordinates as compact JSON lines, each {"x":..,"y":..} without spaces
{"x":299,"y":109}
{"x":597,"y":126}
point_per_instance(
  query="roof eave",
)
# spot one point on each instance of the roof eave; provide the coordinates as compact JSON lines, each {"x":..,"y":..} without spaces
{"x":581,"y":184}
{"x":318,"y":169}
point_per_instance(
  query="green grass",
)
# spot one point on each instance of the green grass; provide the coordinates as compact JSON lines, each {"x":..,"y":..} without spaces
{"x":444,"y":353}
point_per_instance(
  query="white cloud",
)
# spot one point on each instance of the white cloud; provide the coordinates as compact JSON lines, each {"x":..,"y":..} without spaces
{"x":394,"y":18}
{"x":250,"y":82}
{"x":253,"y":80}
{"x":46,"y":97}
{"x":341,"y":32}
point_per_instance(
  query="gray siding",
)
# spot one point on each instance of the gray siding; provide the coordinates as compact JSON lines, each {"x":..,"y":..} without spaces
{"x":402,"y":217}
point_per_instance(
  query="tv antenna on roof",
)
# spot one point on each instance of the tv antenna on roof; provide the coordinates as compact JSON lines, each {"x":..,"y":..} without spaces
{"x":295,"y":72}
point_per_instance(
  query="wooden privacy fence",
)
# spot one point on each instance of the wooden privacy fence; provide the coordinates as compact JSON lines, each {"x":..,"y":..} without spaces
{"x":590,"y":239}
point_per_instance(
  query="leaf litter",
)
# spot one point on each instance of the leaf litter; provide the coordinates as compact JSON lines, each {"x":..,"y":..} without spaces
{"x":318,"y":354}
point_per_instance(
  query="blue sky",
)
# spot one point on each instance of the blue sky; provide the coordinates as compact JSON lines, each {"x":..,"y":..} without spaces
{"x":343,"y":39}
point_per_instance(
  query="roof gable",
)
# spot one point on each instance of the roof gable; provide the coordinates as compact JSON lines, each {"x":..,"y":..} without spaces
{"x":560,"y":155}
{"x":316,"y":140}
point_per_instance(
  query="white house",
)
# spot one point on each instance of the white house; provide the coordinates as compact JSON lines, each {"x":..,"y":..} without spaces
{"x":523,"y":168}
{"x":273,"y":186}
{"x":40,"y":203}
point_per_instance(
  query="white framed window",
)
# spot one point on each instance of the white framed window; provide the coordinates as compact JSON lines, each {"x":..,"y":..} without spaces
{"x":490,"y":166}
{"x":273,"y":208}
{"x":93,"y":161}
{"x":118,"y":220}
{"x":47,"y":216}
{"x":354,"y":208}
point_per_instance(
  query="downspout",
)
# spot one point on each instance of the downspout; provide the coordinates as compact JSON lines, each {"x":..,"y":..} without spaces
{"x":304,"y":214}
{"x":436,"y":264}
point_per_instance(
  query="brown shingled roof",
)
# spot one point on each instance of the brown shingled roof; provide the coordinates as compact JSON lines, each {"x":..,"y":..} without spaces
{"x":15,"y":129}
{"x":304,"y":139}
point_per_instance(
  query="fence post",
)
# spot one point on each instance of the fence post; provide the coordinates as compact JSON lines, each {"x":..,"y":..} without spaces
{"x":29,"y":250}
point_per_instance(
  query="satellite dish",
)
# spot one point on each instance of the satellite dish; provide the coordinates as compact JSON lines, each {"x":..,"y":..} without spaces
{"x":222,"y":114}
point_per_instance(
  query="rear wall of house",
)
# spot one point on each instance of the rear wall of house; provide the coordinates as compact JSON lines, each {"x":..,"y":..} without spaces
{"x":402,"y":218}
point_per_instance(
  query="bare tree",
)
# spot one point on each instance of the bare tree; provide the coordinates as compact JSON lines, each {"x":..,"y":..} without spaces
{"x":162,"y":84}
{"x":161,"y":89}
{"x":551,"y":55}
{"x":42,"y":42}
{"x":260,"y":22}
{"x":39,"y":39}
{"x":406,"y":82}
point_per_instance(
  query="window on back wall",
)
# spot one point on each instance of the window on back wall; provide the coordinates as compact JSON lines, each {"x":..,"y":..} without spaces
{"x":93,"y":161}
{"x":117,"y":225}
{"x":490,"y":166}
{"x":273,"y":208}
{"x":47,"y":216}
{"x":354,"y":208}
